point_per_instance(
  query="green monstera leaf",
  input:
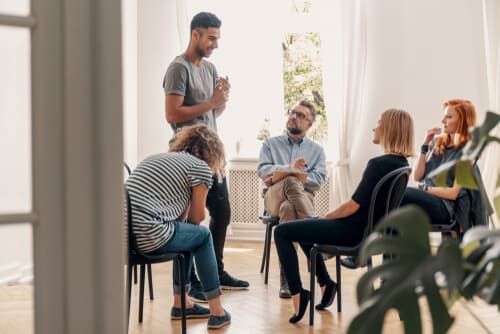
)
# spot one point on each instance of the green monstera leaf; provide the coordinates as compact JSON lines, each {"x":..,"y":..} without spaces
{"x":481,"y":251}
{"x":480,"y":137}
{"x":410,"y":274}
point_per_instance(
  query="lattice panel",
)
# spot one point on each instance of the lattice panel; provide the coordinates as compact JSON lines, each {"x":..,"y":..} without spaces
{"x":244,"y":195}
{"x":322,"y":198}
{"x":246,"y":202}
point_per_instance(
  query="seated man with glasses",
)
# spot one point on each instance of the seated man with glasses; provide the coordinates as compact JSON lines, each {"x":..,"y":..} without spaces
{"x":289,"y":198}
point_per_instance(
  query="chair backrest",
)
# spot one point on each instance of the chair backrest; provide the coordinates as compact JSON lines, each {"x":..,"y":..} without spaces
{"x":472,"y":207}
{"x":127,"y":167}
{"x":132,"y":241}
{"x":130,"y":234}
{"x":132,"y":247}
{"x":387,"y":195}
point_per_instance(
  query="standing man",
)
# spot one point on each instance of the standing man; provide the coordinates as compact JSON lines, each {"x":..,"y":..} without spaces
{"x":289,"y":198}
{"x":195,"y":94}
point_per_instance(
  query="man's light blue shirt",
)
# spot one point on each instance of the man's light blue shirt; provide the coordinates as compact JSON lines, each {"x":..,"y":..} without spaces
{"x":280,"y":152}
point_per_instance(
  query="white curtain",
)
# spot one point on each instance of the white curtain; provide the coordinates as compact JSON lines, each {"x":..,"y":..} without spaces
{"x":491,"y":26}
{"x":348,"y":105}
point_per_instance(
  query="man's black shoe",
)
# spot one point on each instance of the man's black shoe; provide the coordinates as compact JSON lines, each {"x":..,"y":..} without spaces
{"x":284,"y":289}
{"x":285,"y":292}
{"x":228,"y":282}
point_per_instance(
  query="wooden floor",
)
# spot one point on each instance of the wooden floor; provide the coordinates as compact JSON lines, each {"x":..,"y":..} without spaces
{"x":16,"y":309}
{"x":257,"y":310}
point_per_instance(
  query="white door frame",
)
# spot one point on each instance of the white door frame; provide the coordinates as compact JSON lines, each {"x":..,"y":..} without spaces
{"x":77,"y":165}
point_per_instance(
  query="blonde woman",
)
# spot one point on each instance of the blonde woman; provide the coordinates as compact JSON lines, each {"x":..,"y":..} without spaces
{"x":345,"y":225}
{"x":168,"y":193}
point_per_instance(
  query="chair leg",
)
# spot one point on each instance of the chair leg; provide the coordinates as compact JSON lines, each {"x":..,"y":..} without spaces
{"x":135,"y":274}
{"x":369,"y":266}
{"x":339,"y":284}
{"x":182,"y":279}
{"x":141,"y":290}
{"x":312,"y":255}
{"x":263,"y":263}
{"x":129,"y":291}
{"x":458,"y":232}
{"x":150,"y":282}
{"x":268,"y":251}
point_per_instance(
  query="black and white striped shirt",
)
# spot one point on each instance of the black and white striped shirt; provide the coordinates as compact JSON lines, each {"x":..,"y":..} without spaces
{"x":160,"y":190}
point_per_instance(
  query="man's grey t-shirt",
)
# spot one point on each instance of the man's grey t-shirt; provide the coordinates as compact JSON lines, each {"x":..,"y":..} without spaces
{"x":195,"y":83}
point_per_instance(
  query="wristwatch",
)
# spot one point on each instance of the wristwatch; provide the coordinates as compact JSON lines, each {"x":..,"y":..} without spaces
{"x":423,"y":186}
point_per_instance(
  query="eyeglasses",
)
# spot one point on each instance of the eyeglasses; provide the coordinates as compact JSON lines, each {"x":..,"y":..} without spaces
{"x":297,"y":114}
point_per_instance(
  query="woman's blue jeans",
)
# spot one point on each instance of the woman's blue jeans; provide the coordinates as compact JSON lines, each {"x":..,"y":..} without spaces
{"x":197,"y":240}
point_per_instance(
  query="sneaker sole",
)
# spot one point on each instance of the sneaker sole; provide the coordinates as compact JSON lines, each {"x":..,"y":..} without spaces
{"x":219,"y":325}
{"x":191,"y":316}
{"x":198,"y":300}
{"x":229,"y":287}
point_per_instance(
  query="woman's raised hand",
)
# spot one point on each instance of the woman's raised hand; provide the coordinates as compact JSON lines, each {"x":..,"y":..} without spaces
{"x":430,"y":134}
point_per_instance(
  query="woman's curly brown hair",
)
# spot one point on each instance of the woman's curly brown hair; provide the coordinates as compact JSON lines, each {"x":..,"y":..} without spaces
{"x":203,"y":143}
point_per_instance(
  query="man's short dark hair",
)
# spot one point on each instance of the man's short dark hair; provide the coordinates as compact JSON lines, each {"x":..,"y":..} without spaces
{"x":309,"y":106}
{"x":205,"y":20}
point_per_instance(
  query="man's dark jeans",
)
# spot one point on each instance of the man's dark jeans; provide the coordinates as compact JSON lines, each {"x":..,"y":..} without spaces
{"x":220,"y":217}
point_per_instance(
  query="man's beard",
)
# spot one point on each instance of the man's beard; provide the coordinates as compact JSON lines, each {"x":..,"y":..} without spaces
{"x":294,"y":131}
{"x":202,"y":53}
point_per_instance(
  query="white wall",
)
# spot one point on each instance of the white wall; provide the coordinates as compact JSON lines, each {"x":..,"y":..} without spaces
{"x":250,"y":54}
{"x":157,"y":45}
{"x":16,"y":253}
{"x":129,"y":45}
{"x":420,"y":53}
{"x":15,"y":146}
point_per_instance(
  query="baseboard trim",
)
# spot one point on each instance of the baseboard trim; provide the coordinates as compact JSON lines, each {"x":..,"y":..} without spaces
{"x":247,"y":232}
{"x":16,"y":273}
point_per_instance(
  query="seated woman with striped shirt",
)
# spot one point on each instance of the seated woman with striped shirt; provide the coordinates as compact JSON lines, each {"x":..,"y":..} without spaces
{"x":168,"y":193}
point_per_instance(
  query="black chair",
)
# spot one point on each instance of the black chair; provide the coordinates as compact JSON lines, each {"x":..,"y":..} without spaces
{"x":150,"y":272}
{"x":136,"y":257}
{"x":448,"y":230}
{"x":270,"y":222}
{"x":394,"y":185}
{"x":471,"y":209}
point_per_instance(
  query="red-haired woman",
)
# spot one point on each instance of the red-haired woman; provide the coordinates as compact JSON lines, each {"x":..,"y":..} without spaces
{"x":440,"y":146}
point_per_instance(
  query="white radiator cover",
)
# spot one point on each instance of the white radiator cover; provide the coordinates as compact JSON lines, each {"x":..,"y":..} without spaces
{"x":245,"y":189}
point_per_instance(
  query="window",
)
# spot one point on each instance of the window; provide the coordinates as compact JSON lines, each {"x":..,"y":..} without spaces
{"x":302,"y":76}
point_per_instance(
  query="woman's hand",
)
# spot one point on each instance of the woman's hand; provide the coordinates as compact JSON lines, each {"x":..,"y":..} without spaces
{"x":268,"y":181}
{"x":449,"y":193}
{"x":184,"y":214}
{"x":430,"y":134}
{"x":196,"y":213}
